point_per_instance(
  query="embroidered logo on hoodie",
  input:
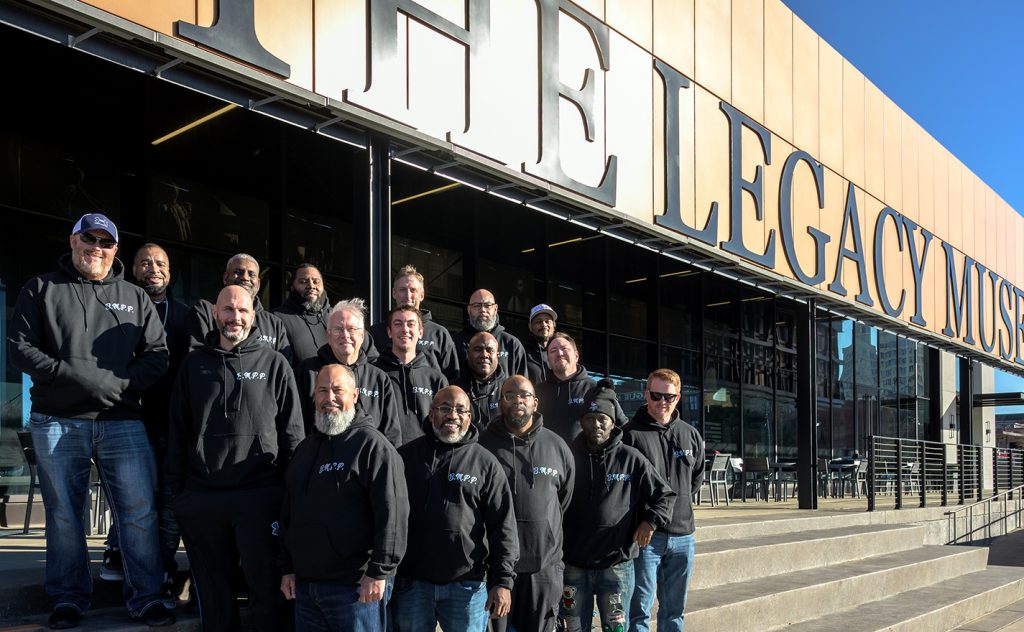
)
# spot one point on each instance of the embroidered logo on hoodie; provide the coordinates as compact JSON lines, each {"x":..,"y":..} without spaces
{"x":618,"y":477}
{"x":250,"y":375}
{"x":264,"y":338}
{"x":336,"y":466}
{"x":463,"y":478}
{"x":120,"y":307}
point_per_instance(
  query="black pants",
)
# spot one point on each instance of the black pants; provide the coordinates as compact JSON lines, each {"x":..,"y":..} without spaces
{"x":221,"y":528}
{"x":535,"y":599}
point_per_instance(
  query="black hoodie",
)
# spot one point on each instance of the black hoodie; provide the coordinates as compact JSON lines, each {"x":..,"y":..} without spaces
{"x":90,"y":347}
{"x":435,"y":339}
{"x":511,"y":355}
{"x":677,"y":452}
{"x":346,"y":508}
{"x":616,"y":489}
{"x":272,"y":331}
{"x":484,"y":395}
{"x":306,"y":328}
{"x":235,"y":418}
{"x":376,"y":397}
{"x":156,"y":400}
{"x":414,"y":386}
{"x":561,"y":402}
{"x":536,"y":360}
{"x":541,"y":471}
{"x":462,"y":526}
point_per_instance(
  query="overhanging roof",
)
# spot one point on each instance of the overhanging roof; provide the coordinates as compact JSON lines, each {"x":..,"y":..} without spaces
{"x":999,"y":399}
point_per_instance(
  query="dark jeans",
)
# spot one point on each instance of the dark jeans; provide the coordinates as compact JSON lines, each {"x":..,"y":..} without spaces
{"x":613,"y":588}
{"x":335,"y":607}
{"x":419,"y":606}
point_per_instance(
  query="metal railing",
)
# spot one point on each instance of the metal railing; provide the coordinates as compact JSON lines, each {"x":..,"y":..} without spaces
{"x":983,"y":510}
{"x":928,"y":473}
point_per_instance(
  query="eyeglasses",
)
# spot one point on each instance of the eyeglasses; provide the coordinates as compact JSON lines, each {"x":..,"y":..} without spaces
{"x":669,"y":397}
{"x":338,"y":331}
{"x":486,"y":306}
{"x":523,"y":395}
{"x":446,"y":410}
{"x":93,"y":240}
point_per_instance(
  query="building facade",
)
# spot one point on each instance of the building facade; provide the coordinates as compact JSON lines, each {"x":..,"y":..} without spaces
{"x":705,"y":185}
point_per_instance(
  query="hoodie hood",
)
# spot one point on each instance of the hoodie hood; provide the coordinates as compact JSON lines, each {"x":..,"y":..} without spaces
{"x":296,"y":304}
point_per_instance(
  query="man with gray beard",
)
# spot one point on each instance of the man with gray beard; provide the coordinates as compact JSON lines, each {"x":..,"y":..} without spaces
{"x":344,"y":516}
{"x":462,"y":534}
{"x":482,"y":315}
{"x":541,"y":470}
{"x":235,"y":422}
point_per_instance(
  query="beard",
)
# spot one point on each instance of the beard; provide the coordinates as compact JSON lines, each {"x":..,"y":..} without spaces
{"x":483,"y":322}
{"x":154,"y":290}
{"x":451,"y":438}
{"x":518,"y":421}
{"x":335,"y":422}
{"x":234,"y":336}
{"x":310,"y":306}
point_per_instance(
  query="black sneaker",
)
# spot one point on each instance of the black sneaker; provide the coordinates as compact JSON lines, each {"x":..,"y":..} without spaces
{"x":167,"y":591}
{"x":112,"y":568}
{"x":64,"y":617}
{"x":157,"y":615}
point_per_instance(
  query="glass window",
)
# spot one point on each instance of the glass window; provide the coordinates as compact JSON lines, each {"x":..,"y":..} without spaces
{"x":632,"y":286}
{"x":679,"y":320}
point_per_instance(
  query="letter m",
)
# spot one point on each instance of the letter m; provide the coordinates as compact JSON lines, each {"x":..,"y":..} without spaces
{"x":958,"y":297}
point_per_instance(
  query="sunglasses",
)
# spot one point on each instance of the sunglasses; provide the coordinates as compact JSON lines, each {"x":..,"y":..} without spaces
{"x":668,"y":397}
{"x":93,"y":240}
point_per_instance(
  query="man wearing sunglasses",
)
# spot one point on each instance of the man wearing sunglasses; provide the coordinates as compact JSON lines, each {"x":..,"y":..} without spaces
{"x":91,"y":343}
{"x":676,"y":450}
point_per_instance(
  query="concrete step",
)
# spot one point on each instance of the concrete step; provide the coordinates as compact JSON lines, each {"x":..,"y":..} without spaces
{"x":941,"y":606}
{"x":1008,"y":618}
{"x":802,"y":595}
{"x":726,"y":561}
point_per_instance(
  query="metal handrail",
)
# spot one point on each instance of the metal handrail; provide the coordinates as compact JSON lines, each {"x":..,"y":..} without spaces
{"x":1010,"y":494}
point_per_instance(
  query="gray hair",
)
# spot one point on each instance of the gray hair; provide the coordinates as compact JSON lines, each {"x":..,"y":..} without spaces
{"x":356,"y":306}
{"x":241,"y":257}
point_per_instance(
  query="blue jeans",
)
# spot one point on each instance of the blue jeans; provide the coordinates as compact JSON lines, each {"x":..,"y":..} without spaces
{"x":613,"y":588}
{"x":664,"y":566}
{"x":335,"y":607}
{"x":65,"y":449}
{"x":418,"y":606}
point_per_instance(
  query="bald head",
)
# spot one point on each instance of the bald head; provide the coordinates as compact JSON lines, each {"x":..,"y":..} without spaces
{"x":518,"y":404}
{"x":482,"y":355}
{"x":450,"y":414}
{"x":482,"y":310}
{"x":233,"y":314}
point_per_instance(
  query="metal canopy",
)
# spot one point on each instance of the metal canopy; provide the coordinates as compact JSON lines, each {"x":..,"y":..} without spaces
{"x":999,"y":399}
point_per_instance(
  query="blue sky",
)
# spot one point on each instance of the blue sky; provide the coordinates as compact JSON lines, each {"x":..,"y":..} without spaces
{"x":956,"y":67}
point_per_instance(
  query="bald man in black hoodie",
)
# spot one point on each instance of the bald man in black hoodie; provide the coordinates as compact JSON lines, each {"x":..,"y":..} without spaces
{"x":345,"y":514}
{"x":462,"y":528}
{"x":235,"y":422}
{"x":541,"y":471}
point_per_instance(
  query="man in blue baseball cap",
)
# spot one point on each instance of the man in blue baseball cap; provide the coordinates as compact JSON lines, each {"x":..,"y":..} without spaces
{"x":91,"y":343}
{"x":542,"y":328}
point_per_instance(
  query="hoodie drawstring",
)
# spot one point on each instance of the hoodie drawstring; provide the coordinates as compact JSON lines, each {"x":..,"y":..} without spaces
{"x":81,"y":301}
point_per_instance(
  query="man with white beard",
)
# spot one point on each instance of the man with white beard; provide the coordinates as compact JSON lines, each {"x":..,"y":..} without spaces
{"x":462,"y":528}
{"x":344,"y":516}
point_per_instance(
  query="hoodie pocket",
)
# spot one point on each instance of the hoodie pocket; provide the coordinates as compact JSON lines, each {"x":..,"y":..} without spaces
{"x":536,"y":542}
{"x":228,"y":456}
{"x":448,"y":555}
{"x":81,"y":384}
{"x":311,"y":550}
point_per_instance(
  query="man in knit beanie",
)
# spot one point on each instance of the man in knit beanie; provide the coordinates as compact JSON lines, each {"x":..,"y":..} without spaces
{"x":618,"y":502}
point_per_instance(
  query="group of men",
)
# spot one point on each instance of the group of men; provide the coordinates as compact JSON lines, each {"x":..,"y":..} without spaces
{"x":391,"y":481}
